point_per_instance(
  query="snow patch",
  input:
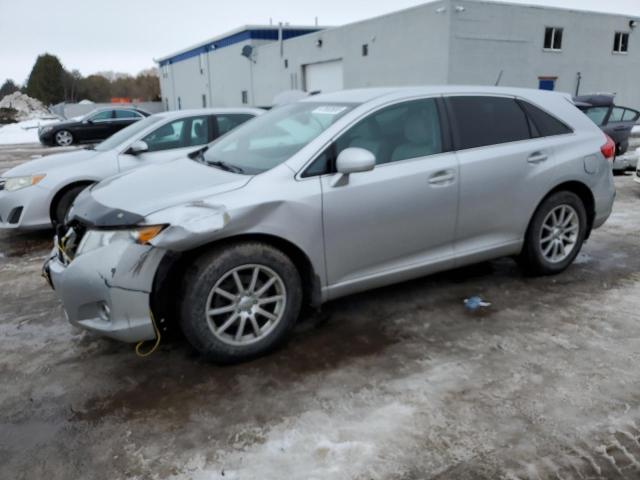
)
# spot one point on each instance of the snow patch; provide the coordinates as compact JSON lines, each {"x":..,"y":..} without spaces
{"x":23,"y":132}
{"x":27,"y":107}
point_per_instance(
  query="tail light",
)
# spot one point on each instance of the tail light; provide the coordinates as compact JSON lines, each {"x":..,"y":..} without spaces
{"x":608,"y":149}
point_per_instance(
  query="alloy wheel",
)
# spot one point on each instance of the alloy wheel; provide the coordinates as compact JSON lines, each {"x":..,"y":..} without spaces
{"x":559,"y":233}
{"x":64,"y":138}
{"x":246,"y":304}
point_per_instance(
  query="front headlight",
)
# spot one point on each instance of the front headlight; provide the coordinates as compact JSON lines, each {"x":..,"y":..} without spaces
{"x":44,"y":130}
{"x":18,"y":183}
{"x":95,"y":239}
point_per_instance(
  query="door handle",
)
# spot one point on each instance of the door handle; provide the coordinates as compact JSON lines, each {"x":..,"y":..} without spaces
{"x":442,"y":178}
{"x":537,"y":157}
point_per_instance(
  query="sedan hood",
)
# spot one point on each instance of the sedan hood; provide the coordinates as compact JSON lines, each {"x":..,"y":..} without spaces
{"x":147,"y":190}
{"x":50,"y":162}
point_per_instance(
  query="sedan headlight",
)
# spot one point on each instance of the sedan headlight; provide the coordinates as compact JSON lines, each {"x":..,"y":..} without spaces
{"x":95,"y":239}
{"x":18,"y":183}
{"x":44,"y":130}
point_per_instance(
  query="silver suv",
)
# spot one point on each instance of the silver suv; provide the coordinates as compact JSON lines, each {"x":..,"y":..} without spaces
{"x":332,"y":195}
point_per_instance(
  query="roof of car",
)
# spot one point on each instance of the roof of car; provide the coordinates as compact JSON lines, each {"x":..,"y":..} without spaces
{"x":209,"y":111}
{"x":363,"y":95}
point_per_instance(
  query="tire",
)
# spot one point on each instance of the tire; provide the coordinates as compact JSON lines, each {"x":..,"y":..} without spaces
{"x":207,"y":316}
{"x":538,"y":255}
{"x":63,"y":203}
{"x":63,"y":138}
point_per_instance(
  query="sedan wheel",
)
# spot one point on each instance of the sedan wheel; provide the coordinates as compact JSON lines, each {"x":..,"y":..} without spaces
{"x":64,"y":138}
{"x":246,"y":304}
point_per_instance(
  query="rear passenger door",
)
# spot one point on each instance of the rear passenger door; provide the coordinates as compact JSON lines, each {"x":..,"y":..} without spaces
{"x":388,"y":223}
{"x":503,"y":159}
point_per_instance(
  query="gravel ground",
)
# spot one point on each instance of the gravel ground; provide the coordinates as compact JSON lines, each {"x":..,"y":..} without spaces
{"x":399,"y":383}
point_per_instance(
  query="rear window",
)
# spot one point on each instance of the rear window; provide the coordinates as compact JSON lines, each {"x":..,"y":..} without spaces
{"x":484,"y":120}
{"x":544,"y":125}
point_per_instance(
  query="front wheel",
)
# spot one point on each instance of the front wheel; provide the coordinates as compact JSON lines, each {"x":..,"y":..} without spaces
{"x":240,"y":302}
{"x":63,"y":138}
{"x":555,"y":235}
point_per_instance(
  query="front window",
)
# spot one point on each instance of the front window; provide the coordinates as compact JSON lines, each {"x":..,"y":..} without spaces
{"x":273,"y":138}
{"x":553,"y":38}
{"x":101,"y":116}
{"x":126,"y":134}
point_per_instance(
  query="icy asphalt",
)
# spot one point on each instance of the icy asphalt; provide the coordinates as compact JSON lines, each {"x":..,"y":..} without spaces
{"x":400,"y":383}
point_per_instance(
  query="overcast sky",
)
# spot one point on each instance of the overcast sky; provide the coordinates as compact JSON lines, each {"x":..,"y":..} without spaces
{"x":125,"y":35}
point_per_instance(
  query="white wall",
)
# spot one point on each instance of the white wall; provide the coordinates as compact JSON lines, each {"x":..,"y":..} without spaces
{"x":489,"y":37}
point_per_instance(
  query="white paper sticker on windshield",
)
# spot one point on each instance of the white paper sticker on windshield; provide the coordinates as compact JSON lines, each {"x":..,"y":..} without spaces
{"x":329,"y":110}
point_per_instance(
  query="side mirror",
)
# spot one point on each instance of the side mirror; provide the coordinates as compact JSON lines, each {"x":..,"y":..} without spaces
{"x":354,"y":160}
{"x":88,"y":120}
{"x":138,"y":147}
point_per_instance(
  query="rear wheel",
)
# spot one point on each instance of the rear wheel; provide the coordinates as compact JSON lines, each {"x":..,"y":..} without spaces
{"x":64,"y":138}
{"x":555,"y":235}
{"x":63,"y":203}
{"x":240,"y":302}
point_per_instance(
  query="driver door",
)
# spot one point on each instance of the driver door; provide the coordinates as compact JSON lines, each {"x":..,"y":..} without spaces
{"x":170,"y":141}
{"x":389,"y":223}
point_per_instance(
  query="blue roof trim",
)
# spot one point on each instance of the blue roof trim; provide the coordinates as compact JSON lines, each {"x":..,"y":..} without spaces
{"x":262,"y":34}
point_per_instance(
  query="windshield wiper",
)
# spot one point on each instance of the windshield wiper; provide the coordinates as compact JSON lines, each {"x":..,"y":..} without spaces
{"x":198,"y":156}
{"x":225,"y":166}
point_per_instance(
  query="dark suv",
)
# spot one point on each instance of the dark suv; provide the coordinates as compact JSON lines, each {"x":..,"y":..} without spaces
{"x":93,"y":127}
{"x":614,"y":120}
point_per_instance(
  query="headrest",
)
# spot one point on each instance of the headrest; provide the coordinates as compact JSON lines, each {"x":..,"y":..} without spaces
{"x":418,"y":129}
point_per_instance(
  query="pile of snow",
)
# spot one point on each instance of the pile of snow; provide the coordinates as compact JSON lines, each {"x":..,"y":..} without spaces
{"x":26,"y":106}
{"x":23,"y":132}
{"x":85,"y":102}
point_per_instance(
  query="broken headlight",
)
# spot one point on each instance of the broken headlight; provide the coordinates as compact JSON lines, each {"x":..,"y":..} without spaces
{"x":95,"y":239}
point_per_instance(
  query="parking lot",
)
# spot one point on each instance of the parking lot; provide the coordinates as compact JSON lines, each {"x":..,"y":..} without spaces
{"x":398,"y":383}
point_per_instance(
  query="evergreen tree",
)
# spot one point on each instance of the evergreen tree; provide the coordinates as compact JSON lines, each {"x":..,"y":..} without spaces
{"x":46,"y":81}
{"x":8,"y":87}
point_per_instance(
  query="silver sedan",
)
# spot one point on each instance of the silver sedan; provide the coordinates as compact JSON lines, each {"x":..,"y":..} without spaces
{"x":333,"y":195}
{"x":38,"y":193}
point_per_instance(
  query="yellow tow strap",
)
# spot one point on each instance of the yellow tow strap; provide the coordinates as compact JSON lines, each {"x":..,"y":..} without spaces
{"x":158,"y":338}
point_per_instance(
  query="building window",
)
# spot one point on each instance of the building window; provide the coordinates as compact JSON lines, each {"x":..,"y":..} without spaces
{"x":553,"y":38}
{"x":286,"y":63}
{"x":245,"y":97}
{"x":365,"y":50}
{"x":621,"y":42}
{"x":204,"y":101}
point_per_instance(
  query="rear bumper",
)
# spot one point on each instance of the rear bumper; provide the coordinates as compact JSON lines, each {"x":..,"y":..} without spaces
{"x":25,"y":209}
{"x":107,"y":291}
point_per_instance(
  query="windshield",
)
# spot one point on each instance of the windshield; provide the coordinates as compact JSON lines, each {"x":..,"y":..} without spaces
{"x":270,"y":139}
{"x":127,"y":133}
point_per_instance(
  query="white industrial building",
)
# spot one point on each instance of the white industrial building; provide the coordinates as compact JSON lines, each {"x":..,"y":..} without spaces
{"x":440,"y":42}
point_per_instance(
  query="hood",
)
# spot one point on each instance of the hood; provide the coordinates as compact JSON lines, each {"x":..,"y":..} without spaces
{"x":156,"y":187}
{"x":50,"y":162}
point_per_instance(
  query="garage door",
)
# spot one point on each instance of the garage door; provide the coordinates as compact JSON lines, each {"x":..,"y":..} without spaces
{"x":324,"y":77}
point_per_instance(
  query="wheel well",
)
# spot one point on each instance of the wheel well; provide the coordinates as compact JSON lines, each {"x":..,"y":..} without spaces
{"x":63,"y":190}
{"x":172,"y":268}
{"x":582,"y":191}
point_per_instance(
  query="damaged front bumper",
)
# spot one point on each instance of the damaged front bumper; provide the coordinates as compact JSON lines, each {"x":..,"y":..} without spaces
{"x":107,"y":290}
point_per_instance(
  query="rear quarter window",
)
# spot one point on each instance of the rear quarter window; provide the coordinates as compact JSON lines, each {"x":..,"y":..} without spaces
{"x":545,"y":125}
{"x":483,"y":120}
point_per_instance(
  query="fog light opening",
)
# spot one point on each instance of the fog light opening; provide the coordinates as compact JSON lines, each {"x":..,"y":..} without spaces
{"x":105,"y":312}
